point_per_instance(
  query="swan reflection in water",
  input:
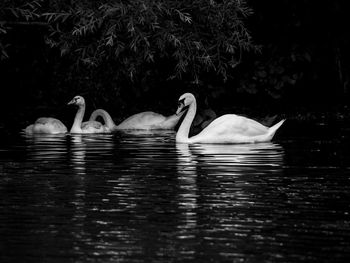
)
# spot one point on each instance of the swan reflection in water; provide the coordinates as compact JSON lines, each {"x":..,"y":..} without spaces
{"x":96,"y":145}
{"x":146,"y":137}
{"x":60,"y":148}
{"x":89,"y":156}
{"x":46,"y":147}
{"x":78,"y":151}
{"x":231,"y":158}
{"x":188,"y":191}
{"x":223,"y":178}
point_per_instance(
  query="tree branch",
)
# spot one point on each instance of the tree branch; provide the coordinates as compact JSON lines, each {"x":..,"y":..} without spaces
{"x":13,"y":23}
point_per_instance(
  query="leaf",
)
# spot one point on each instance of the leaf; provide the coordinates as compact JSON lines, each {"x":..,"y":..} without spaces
{"x":110,"y":41}
{"x":4,"y":54}
{"x":2,"y":29}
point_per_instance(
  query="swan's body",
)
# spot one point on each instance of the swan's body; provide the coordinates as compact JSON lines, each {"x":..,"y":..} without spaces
{"x":46,"y":125}
{"x":229,"y":128}
{"x":147,"y":120}
{"x":88,"y":126}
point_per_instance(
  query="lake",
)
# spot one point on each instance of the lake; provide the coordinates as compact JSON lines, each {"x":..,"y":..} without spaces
{"x":141,"y":197}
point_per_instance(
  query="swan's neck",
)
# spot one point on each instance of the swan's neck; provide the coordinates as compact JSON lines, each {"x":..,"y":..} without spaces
{"x":105,"y":116}
{"x":76,"y":128}
{"x":108,"y":120}
{"x":184,"y":130}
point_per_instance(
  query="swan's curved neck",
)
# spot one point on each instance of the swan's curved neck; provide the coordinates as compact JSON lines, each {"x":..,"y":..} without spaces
{"x":108,"y":120}
{"x":184,"y":130}
{"x":105,"y":116}
{"x":76,"y":127}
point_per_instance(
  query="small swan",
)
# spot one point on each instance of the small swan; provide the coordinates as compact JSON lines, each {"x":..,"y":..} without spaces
{"x":229,"y":128}
{"x":88,"y":126}
{"x":147,"y":120}
{"x":46,"y":125}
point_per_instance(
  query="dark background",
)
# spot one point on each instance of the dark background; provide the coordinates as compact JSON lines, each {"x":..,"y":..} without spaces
{"x":301,"y":72}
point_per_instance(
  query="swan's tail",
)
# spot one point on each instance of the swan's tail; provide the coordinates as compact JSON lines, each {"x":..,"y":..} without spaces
{"x":105,"y":116}
{"x":274,"y":128}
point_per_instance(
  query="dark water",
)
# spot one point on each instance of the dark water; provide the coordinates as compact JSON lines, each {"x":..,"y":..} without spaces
{"x":140,"y":197}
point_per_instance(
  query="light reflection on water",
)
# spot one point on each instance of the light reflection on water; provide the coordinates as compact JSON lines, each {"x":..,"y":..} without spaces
{"x":221,"y":181}
{"x":140,"y":197}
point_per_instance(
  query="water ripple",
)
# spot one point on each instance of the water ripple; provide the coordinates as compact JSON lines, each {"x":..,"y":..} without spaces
{"x":140,"y":196}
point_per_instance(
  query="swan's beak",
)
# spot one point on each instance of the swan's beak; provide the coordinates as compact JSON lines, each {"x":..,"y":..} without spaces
{"x":71,"y":102}
{"x":181,"y":109}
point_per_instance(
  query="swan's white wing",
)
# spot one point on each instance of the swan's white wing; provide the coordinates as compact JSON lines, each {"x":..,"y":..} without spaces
{"x":49,"y":125}
{"x":142,"y":120}
{"x":49,"y":120}
{"x":92,"y":124}
{"x":92,"y":127}
{"x":231,"y":126}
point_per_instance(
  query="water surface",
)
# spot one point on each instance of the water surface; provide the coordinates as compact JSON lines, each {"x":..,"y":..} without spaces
{"x":140,"y":197}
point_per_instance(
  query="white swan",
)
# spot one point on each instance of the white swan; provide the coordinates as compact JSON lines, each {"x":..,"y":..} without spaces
{"x":88,"y":126}
{"x":229,"y":128}
{"x":147,"y":120}
{"x":46,"y":125}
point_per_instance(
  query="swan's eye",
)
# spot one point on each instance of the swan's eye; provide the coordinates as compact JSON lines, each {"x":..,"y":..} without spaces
{"x":181,"y":102}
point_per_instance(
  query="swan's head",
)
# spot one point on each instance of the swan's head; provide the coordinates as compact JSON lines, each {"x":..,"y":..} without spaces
{"x":184,"y":102}
{"x":77,"y":100}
